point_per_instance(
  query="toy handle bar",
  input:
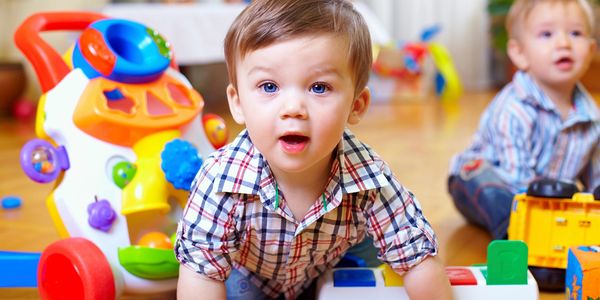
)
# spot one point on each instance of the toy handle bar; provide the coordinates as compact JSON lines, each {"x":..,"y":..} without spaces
{"x":48,"y":64}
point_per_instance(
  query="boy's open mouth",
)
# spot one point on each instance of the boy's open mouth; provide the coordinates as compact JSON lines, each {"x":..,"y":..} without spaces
{"x":564,"y":63}
{"x":293,"y":142}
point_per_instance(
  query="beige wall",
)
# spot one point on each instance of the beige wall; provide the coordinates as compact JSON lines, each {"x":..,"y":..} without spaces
{"x":13,"y":12}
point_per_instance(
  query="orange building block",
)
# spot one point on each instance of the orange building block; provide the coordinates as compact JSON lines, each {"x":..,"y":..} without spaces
{"x":583,"y":273}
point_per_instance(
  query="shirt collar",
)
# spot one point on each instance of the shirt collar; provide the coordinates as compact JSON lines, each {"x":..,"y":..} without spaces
{"x":528,"y":91}
{"x":243,"y":169}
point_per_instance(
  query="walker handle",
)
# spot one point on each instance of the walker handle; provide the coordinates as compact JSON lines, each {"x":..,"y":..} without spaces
{"x":47,"y":63}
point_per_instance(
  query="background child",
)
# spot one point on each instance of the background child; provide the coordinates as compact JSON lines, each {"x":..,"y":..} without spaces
{"x":282,"y":203}
{"x":542,"y":124}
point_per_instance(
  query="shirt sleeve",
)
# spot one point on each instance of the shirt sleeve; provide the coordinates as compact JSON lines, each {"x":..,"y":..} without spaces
{"x":206,"y":233}
{"x":591,"y":173}
{"x":399,"y":228}
{"x":507,"y":130}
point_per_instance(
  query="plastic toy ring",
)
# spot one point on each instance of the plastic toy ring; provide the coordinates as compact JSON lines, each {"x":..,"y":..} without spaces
{"x":42,"y":162}
{"x":122,"y":51}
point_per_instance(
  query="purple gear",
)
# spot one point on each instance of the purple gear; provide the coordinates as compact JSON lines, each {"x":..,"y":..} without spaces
{"x":101,"y":215}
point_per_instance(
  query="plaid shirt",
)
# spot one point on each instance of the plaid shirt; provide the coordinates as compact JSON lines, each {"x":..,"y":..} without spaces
{"x":522,"y":133}
{"x":231,"y":220}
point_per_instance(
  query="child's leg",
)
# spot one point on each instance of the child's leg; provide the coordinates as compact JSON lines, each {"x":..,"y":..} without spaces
{"x":239,"y":287}
{"x":482,"y":197}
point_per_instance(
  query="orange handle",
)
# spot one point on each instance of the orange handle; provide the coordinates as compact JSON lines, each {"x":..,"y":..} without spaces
{"x":47,"y":63}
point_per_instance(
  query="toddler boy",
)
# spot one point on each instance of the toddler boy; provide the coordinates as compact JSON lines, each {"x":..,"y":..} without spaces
{"x":283,"y":202}
{"x":542,"y":124}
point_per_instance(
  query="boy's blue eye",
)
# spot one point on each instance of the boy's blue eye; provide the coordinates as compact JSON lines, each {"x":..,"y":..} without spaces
{"x":318,"y":88}
{"x":269,"y":87}
{"x":576,"y":33}
{"x":546,"y":34}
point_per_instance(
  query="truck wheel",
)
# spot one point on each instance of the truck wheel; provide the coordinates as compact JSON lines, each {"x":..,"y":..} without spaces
{"x":75,"y":268}
{"x":549,"y":279}
{"x":552,"y":188}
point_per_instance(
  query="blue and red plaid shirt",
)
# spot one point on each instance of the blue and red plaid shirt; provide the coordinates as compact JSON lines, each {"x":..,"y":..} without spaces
{"x":231,"y":220}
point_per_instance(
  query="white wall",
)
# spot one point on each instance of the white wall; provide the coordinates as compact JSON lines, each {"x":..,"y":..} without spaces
{"x":464,"y":32}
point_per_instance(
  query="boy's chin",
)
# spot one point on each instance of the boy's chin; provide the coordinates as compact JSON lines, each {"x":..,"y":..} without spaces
{"x":564,"y":79}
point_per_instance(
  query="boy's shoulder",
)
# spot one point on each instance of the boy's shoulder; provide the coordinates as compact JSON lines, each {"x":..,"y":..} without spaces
{"x":518,"y":99}
{"x":224,"y":166}
{"x":361,"y":167}
{"x":354,"y":150}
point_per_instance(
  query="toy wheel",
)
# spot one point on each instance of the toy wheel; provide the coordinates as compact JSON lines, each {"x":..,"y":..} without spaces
{"x":549,"y":279}
{"x":551,"y":188}
{"x":75,"y":268}
{"x":597,"y":193}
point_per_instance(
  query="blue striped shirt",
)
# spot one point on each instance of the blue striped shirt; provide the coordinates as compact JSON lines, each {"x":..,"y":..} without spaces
{"x":522,"y":133}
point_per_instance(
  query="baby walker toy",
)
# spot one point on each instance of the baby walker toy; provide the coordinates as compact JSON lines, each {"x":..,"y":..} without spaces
{"x":115,"y":118}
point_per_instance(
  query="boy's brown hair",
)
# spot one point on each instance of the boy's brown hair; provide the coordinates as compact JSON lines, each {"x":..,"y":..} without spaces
{"x":520,"y":9}
{"x":265,"y":22}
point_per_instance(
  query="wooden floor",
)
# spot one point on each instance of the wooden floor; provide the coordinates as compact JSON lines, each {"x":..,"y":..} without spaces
{"x":417,"y":138}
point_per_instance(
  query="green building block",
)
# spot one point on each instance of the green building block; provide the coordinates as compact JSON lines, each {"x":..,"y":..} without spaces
{"x":506,"y":262}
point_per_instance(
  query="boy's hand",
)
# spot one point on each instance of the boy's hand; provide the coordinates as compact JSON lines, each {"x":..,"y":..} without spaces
{"x":428,"y":280}
{"x":192,"y":285}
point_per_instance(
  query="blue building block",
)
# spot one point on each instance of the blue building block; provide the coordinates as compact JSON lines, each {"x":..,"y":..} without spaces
{"x":18,"y":269}
{"x":351,"y":261}
{"x":353,"y":277}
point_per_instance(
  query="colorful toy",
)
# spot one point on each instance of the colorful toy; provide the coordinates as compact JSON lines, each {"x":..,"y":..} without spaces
{"x":583,"y":273}
{"x":505,"y":277}
{"x":11,"y":202}
{"x":110,"y":106}
{"x":551,"y":217}
{"x":403,"y":66}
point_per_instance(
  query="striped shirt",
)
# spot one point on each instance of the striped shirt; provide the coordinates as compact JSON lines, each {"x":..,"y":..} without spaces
{"x":522,"y":133}
{"x":231,"y":220}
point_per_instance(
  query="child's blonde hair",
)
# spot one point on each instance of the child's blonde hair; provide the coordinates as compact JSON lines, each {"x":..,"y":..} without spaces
{"x":265,"y":22}
{"x":520,"y":9}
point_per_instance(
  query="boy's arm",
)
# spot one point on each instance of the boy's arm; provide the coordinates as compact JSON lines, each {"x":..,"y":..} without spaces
{"x":192,"y":285}
{"x":428,"y":280}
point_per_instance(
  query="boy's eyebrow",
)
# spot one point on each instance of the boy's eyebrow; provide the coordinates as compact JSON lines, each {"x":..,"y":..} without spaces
{"x":328,"y":70}
{"x":320,"y":71}
{"x":544,"y":24}
{"x":259,"y":69}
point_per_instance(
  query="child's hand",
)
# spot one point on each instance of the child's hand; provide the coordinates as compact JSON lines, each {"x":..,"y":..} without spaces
{"x":428,"y":280}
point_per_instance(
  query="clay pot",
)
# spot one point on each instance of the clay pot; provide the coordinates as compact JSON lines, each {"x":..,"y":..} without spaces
{"x":12,"y":85}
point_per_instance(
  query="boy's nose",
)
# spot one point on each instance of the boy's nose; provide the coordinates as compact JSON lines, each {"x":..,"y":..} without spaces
{"x":293,"y":106}
{"x":563,"y":39}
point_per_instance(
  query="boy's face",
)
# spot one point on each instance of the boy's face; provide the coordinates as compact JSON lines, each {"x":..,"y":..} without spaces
{"x":295,"y":98}
{"x":554,"y":44}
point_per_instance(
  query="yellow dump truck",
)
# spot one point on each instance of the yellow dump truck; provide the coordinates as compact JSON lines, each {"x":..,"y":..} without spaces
{"x":551,"y":217}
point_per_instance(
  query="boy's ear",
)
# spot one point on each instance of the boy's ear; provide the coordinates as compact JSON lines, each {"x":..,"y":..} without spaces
{"x":235,"y":106}
{"x":516,"y":54}
{"x":359,"y":106}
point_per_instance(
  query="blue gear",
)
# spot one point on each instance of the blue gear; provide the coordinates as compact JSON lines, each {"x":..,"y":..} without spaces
{"x":180,"y":162}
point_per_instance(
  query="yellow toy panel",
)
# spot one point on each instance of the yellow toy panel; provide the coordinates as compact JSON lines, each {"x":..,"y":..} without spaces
{"x":550,"y":226}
